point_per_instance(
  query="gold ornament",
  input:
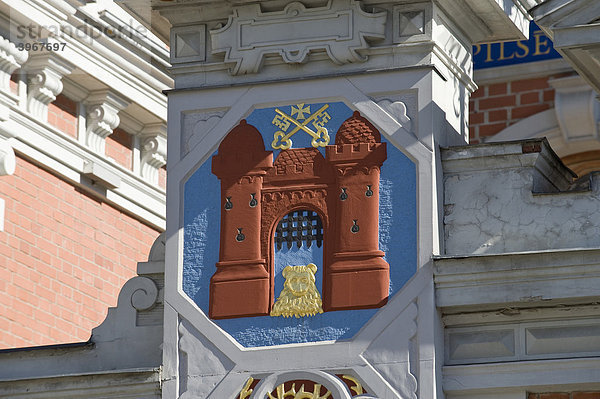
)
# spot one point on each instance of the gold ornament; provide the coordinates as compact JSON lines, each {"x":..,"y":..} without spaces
{"x":299,"y":110}
{"x":246,"y":391}
{"x":301,"y":394}
{"x":282,"y":140}
{"x":357,"y":388}
{"x":299,"y":296}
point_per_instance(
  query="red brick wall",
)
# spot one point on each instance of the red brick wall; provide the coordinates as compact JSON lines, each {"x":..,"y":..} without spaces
{"x":119,"y":148}
{"x":565,"y":395}
{"x":496,"y":106}
{"x":162,"y":177}
{"x":64,"y":257}
{"x":62,"y":114}
{"x":14,"y":82}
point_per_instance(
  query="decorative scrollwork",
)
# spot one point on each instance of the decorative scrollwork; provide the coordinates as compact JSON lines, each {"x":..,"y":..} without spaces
{"x":345,"y":32}
{"x":145,"y":293}
{"x":246,"y":390}
{"x":299,"y":394}
{"x":357,"y":388}
{"x":103,"y":117}
{"x":11,"y":58}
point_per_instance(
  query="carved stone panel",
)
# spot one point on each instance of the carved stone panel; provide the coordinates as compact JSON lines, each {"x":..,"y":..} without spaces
{"x":392,"y":353}
{"x":196,"y":125}
{"x":341,"y":29}
{"x":188,"y":44}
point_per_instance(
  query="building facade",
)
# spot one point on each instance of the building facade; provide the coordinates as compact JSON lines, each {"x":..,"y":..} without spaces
{"x":83,"y":136}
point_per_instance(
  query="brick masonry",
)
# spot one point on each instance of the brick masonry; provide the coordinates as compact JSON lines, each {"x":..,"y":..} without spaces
{"x":119,"y":148}
{"x":64,"y":256}
{"x":14,"y":83}
{"x":62,"y":114}
{"x":494,"y":107}
{"x":162,"y":177}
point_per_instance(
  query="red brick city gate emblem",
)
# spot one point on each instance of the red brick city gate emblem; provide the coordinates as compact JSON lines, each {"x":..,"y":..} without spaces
{"x":342,"y":188}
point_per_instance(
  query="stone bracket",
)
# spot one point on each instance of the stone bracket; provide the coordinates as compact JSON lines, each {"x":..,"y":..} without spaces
{"x":7,"y":158}
{"x":7,"y":167}
{"x":577,"y":109}
{"x":100,"y":174}
{"x":45,"y":74}
{"x":154,"y":150}
{"x":102,"y":117}
{"x":11,"y":59}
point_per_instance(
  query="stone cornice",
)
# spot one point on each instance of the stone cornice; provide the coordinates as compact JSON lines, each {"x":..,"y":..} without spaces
{"x":117,"y":65}
{"x":115,"y":383}
{"x":66,"y":157}
{"x":514,"y":379}
{"x":516,"y":279}
{"x":206,"y":52}
{"x":573,"y":27}
{"x":533,"y":153}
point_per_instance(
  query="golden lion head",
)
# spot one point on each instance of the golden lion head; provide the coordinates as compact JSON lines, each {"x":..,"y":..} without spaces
{"x":299,"y":296}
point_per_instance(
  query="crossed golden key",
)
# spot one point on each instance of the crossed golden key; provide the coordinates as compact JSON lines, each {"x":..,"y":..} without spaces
{"x":282,"y":140}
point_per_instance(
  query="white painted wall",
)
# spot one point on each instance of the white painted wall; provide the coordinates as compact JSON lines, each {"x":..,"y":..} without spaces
{"x":498,"y":199}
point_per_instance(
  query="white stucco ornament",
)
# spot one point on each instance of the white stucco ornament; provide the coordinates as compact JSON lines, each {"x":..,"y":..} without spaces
{"x":11,"y":58}
{"x":103,"y":108}
{"x":341,"y":29}
{"x":7,"y":159}
{"x":154,"y":150}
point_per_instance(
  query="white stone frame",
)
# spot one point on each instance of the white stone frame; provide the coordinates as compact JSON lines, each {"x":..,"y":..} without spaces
{"x":357,"y":92}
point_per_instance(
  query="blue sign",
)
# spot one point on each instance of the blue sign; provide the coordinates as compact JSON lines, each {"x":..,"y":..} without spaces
{"x":539,"y":47}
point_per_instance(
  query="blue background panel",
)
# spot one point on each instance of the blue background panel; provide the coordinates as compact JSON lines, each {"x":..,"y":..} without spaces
{"x":397,"y":238}
{"x":539,"y":47}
